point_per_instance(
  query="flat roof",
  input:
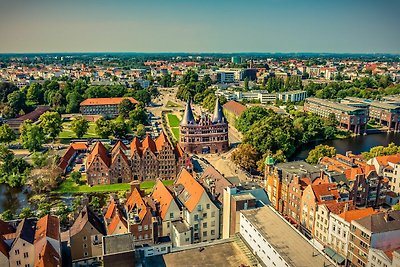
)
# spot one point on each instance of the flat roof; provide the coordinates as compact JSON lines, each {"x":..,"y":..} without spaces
{"x":374,"y":103}
{"x":225,"y":254}
{"x":291,"y":245}
{"x":299,"y":167}
{"x":246,"y":196}
{"x":333,"y":105}
{"x":181,"y":226}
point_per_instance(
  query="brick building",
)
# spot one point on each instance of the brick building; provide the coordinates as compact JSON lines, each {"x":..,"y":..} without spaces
{"x":351,"y":118}
{"x":107,"y":107}
{"x":143,"y":160}
{"x":205,"y":135}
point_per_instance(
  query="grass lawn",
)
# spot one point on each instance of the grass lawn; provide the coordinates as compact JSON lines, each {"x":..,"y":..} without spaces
{"x":171,"y":104}
{"x":67,"y":132}
{"x":175,"y":131}
{"x":173,"y":120}
{"x":69,"y":186}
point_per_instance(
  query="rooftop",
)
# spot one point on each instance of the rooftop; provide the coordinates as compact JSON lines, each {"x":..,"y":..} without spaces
{"x":381,"y":222}
{"x":333,"y":105}
{"x":285,"y":239}
{"x":299,"y":167}
{"x":106,"y":101}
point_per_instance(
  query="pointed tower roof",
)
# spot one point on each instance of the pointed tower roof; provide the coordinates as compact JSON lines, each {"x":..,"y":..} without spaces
{"x":188,"y":117}
{"x":218,"y":115}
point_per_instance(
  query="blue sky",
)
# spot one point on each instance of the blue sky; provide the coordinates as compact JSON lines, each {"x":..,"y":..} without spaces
{"x":359,"y":26}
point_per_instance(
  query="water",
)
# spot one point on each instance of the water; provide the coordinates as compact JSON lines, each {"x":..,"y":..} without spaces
{"x":356,"y":144}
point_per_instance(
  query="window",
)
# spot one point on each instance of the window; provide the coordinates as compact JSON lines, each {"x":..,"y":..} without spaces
{"x":146,"y":227}
{"x":205,"y":215}
{"x":18,"y":263}
{"x":26,"y":255}
{"x":27,"y":265}
{"x":140,"y":228}
{"x":205,"y":225}
{"x":84,"y":245}
{"x":204,"y":233}
{"x":196,"y":217}
{"x":171,"y":215}
{"x":212,"y":223}
{"x":208,"y":206}
{"x":213,"y":214}
{"x":84,"y":237}
{"x":85,"y":254}
{"x":212,"y":232}
{"x":17,"y":252}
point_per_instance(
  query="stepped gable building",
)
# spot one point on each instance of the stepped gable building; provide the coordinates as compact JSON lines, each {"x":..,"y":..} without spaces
{"x":205,"y":135}
{"x":143,"y":160}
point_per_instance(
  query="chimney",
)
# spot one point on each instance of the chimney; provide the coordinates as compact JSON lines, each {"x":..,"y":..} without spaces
{"x":386,"y":216}
{"x":346,"y":206}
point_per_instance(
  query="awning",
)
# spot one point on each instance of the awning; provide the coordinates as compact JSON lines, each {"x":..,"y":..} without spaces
{"x":339,"y":259}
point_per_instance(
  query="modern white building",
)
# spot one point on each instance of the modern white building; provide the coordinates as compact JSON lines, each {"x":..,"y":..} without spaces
{"x":292,"y":96}
{"x":276,"y":243}
{"x":380,"y":258}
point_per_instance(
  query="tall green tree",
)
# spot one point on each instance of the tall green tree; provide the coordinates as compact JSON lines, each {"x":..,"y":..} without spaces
{"x":125,"y":107}
{"x":120,"y":128}
{"x":80,"y":126}
{"x":319,"y":152}
{"x":103,"y":127}
{"x":32,"y":136}
{"x":7,"y":135}
{"x":51,"y":123}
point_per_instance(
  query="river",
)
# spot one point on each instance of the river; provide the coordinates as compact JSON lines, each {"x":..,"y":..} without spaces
{"x":355,"y":144}
{"x":15,"y":199}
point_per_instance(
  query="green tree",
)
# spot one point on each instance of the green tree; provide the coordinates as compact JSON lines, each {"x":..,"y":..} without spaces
{"x":34,"y":93}
{"x":250,"y":116}
{"x":51,"y":123}
{"x":103,"y":128}
{"x":76,"y":203}
{"x":80,"y":126}
{"x":120,"y":128}
{"x":396,"y":206}
{"x":26,"y":213}
{"x":246,"y":84}
{"x":125,"y":107}
{"x":7,"y":215}
{"x":32,"y":136}
{"x":319,"y":152}
{"x":7,"y":135}
{"x":245,"y":156}
{"x":40,"y":159}
{"x":140,"y":130}
{"x":95,"y":203}
{"x":73,"y":100}
{"x":137,"y":116}
{"x":16,"y":100}
{"x":43,"y":209}
{"x":76,"y":177}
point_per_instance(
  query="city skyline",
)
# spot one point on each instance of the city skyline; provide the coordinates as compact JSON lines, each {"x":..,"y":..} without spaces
{"x":218,"y":27}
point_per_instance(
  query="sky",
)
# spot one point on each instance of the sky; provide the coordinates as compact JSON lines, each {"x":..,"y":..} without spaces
{"x":337,"y":26}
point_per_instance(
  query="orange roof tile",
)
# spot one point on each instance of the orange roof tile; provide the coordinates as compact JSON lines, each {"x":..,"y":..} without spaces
{"x":356,"y":214}
{"x":338,"y":207}
{"x":163,"y":197}
{"x":192,"y":187}
{"x":148,"y":143}
{"x":119,"y":145}
{"x":106,"y":101}
{"x":110,"y":210}
{"x":383,"y":160}
{"x":99,"y":149}
{"x":66,"y":158}
{"x":118,"y":217}
{"x":48,"y":257}
{"x":321,"y":190}
{"x":47,"y":226}
{"x":136,"y":200}
{"x":235,"y":107}
{"x":79,"y":146}
{"x":161,"y":141}
{"x":136,"y":146}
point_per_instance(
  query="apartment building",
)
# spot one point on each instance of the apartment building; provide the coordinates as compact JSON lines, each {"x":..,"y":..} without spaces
{"x":277,"y":243}
{"x":106,"y":107}
{"x":384,"y":258}
{"x":229,"y":75}
{"x":379,"y":231}
{"x":85,"y":238}
{"x":198,"y":209}
{"x":350,"y":118}
{"x":388,"y":167}
{"x":339,"y":229}
{"x":384,"y":113}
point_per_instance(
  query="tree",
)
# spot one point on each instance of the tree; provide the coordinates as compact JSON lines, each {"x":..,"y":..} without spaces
{"x":7,"y":135}
{"x":76,"y":203}
{"x":26,"y":213}
{"x":95,"y":203}
{"x":103,"y":128}
{"x":120,"y":128}
{"x":245,"y":156}
{"x":32,"y":136}
{"x":250,"y":116}
{"x":125,"y":107}
{"x":246,"y":84}
{"x":16,"y":100}
{"x":40,"y":159}
{"x":80,"y":126}
{"x":6,"y":88}
{"x":137,"y":116}
{"x":73,"y":100}
{"x":76,"y":177}
{"x":319,"y":152}
{"x":396,"y":206}
{"x":391,"y":149}
{"x":140,"y":130}
{"x":43,"y":209}
{"x":7,"y":215}
{"x":51,"y":123}
{"x":34,"y":93}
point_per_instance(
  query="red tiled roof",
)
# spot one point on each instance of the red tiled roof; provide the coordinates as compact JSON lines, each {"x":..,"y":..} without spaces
{"x":338,"y":207}
{"x":192,"y":187}
{"x":383,"y":160}
{"x":99,"y":149}
{"x":235,"y":107}
{"x":106,"y":101}
{"x":110,"y":210}
{"x":161,"y":141}
{"x":356,"y":214}
{"x":136,"y":146}
{"x":79,"y":146}
{"x":326,"y":189}
{"x":48,"y":257}
{"x":119,"y":145}
{"x":148,"y":143}
{"x":66,"y":158}
{"x":163,"y":197}
{"x":136,"y":200}
{"x":47,"y":226}
{"x":118,"y":217}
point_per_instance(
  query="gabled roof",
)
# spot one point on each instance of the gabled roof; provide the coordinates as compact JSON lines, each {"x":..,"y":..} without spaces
{"x":79,"y":146}
{"x":106,"y":101}
{"x":136,"y":145}
{"x":123,"y":155}
{"x":6,"y":228}
{"x":87,"y":216}
{"x":100,"y":150}
{"x":110,"y":210}
{"x":135,"y":200}
{"x":351,"y":215}
{"x":66,"y":157}
{"x":322,"y":190}
{"x":161,"y":141}
{"x":48,"y":257}
{"x":338,"y":207}
{"x":118,"y":217}
{"x":192,"y":192}
{"x":3,"y":247}
{"x":47,"y":226}
{"x":384,"y":160}
{"x":235,"y":107}
{"x":163,"y":196}
{"x":148,"y":143}
{"x":26,"y":230}
{"x":119,"y":145}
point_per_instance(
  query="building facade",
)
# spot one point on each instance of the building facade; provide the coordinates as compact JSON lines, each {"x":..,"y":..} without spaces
{"x":206,"y":135}
{"x":107,"y":107}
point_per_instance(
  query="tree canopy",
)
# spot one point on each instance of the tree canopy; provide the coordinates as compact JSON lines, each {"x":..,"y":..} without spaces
{"x":319,"y":152}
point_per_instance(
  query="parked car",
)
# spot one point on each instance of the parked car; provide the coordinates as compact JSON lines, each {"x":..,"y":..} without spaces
{"x":82,"y":168}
